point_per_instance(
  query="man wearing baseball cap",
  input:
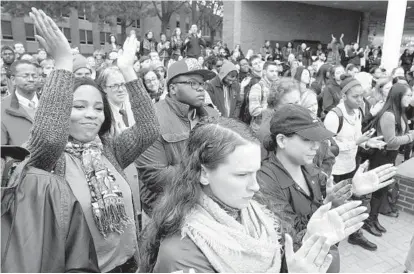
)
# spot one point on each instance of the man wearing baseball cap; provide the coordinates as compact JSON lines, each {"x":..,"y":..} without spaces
{"x":43,"y":228}
{"x":178,"y":114}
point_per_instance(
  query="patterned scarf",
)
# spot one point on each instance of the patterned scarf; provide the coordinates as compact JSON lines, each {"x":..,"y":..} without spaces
{"x":251,"y":245}
{"x":107,"y":200}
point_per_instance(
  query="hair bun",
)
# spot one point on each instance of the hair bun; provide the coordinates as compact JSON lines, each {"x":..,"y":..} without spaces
{"x":269,"y":143}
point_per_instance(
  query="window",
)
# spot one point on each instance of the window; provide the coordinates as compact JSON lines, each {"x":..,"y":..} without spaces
{"x":136,"y":24}
{"x":118,"y":21}
{"x":30,"y":32}
{"x":82,"y":14}
{"x":187,"y":26}
{"x":6,"y":30}
{"x":86,"y":37}
{"x":177,"y":24}
{"x":68,"y":35}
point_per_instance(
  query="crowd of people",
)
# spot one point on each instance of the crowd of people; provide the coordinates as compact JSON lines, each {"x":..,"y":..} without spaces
{"x":177,"y":156}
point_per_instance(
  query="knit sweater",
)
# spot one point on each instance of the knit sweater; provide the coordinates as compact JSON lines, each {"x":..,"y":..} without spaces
{"x":50,"y":130}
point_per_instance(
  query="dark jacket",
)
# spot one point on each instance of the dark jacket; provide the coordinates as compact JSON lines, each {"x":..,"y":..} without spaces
{"x":15,"y":122}
{"x":216,"y":92}
{"x":331,"y":96}
{"x":355,"y":57}
{"x":158,"y":165}
{"x":285,"y":198}
{"x":193,"y":46}
{"x":45,"y":226}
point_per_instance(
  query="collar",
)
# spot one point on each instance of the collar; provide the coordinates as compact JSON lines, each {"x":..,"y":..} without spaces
{"x":25,"y":102}
{"x":182,"y":110}
{"x":116,"y":108}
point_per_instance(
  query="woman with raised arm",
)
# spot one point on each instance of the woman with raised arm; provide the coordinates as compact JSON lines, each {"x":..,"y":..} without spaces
{"x":71,"y":138}
{"x":206,"y":221}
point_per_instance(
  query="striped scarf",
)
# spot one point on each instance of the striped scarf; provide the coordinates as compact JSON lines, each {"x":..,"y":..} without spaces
{"x":107,"y":200}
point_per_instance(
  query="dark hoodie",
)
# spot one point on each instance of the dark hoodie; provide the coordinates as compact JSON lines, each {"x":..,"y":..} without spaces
{"x":215,"y":89}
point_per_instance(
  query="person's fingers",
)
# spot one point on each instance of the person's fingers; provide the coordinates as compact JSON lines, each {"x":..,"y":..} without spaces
{"x":326,"y":264}
{"x":307,"y":245}
{"x":343,"y":189}
{"x":316,"y":249}
{"x":35,"y":17}
{"x":43,"y":43}
{"x":386,"y":183}
{"x":354,"y":228}
{"x":320,"y":258}
{"x":289,"y":247}
{"x":379,"y":138}
{"x":323,"y":209}
{"x":43,"y":28}
{"x":386,"y":173}
{"x":342,"y":209}
{"x":355,"y":218}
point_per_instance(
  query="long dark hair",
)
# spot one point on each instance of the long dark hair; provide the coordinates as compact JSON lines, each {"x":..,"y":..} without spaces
{"x":393,"y":105}
{"x":321,"y":77}
{"x":106,"y":125}
{"x":209,"y":144}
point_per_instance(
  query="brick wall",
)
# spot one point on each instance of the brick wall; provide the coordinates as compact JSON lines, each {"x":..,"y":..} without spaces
{"x":284,"y":21}
{"x":406,"y":200}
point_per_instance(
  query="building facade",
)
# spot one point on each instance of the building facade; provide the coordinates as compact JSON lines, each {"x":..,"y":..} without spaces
{"x":89,"y":36}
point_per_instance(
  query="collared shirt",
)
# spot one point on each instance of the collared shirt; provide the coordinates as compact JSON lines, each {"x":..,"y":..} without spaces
{"x":118,"y":116}
{"x":26,"y":102}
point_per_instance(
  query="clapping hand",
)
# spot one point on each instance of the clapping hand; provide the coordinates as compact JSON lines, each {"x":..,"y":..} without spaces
{"x":125,"y":60}
{"x":245,"y":82}
{"x":342,"y":35}
{"x":338,"y":223}
{"x":339,"y":193}
{"x":52,"y":40}
{"x":312,"y":257}
{"x":376,"y":142}
{"x":365,"y":182}
{"x":333,"y":37}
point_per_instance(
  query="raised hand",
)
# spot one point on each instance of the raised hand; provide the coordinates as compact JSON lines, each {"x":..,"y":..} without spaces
{"x":125,"y":60}
{"x":333,"y":37}
{"x":312,"y":257}
{"x":342,"y":36}
{"x":365,"y":182}
{"x":52,"y":40}
{"x":338,"y":223}
{"x":339,"y":193}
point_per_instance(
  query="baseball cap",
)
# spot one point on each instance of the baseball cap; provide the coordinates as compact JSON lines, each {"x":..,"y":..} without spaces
{"x":289,"y":119}
{"x":188,"y":66}
{"x":16,"y":152}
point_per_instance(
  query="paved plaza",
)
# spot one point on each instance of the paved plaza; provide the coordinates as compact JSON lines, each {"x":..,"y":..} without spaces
{"x":392,"y":248}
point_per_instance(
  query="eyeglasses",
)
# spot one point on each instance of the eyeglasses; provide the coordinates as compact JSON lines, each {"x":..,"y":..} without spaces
{"x":116,"y":86}
{"x":151,"y":80}
{"x":194,"y":85}
{"x":26,"y":76}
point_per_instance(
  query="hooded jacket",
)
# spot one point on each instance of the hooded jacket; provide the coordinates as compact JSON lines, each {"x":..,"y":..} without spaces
{"x":216,"y":90}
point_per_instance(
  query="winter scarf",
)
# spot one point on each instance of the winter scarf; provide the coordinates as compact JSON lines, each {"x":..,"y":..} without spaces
{"x":106,"y":198}
{"x":251,"y":245}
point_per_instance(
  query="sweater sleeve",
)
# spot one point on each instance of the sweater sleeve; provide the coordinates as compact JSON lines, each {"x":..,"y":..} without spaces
{"x":331,"y":123}
{"x":387,"y":124}
{"x":133,"y":141}
{"x":50,"y":130}
{"x":255,"y":98}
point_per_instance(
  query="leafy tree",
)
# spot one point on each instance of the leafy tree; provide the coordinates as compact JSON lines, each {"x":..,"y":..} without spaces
{"x":211,"y":13}
{"x":164,"y":10}
{"x":53,"y":9}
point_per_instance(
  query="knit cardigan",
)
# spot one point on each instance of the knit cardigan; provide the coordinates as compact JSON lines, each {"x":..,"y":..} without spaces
{"x":50,"y":131}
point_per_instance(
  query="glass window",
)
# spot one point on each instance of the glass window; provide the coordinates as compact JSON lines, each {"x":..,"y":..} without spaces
{"x":82,"y":36}
{"x":66,"y":32}
{"x":6,"y":29}
{"x":102,"y":38}
{"x":118,"y":21}
{"x":177,"y":24}
{"x":30,"y":32}
{"x":89,"y":37}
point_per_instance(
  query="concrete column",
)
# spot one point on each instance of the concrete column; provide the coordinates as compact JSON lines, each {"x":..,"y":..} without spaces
{"x":394,"y":27}
{"x":364,"y":30}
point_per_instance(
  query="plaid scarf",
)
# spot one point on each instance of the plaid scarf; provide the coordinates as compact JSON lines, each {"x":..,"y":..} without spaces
{"x":107,"y":200}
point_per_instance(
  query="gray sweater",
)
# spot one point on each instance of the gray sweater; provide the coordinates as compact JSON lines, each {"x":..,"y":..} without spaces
{"x":387,"y":129}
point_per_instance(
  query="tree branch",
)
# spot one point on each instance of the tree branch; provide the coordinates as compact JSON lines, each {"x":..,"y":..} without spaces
{"x":156,"y":9}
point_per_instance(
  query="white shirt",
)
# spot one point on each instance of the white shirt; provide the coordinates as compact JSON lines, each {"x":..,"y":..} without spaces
{"x":118,"y":117}
{"x":26,"y":102}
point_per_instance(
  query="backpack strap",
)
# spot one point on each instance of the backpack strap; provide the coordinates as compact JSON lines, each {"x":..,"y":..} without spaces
{"x":340,"y":115}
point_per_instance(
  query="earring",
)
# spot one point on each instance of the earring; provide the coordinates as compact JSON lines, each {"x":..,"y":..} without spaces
{"x":204,"y":181}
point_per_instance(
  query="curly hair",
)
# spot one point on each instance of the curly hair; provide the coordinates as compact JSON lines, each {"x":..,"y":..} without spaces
{"x":279,"y":89}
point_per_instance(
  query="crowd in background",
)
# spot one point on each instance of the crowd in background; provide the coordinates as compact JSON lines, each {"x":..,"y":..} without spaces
{"x":145,"y":142}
